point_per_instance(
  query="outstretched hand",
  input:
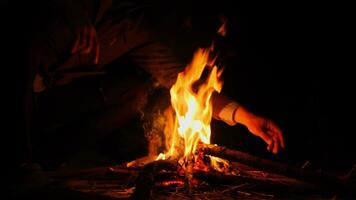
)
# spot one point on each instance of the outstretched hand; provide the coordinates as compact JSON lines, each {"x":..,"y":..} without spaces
{"x":261,"y":127}
{"x":86,"y":41}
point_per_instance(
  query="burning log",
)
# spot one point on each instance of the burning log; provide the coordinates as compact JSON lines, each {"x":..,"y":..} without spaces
{"x":319,"y":178}
{"x":160,"y":173}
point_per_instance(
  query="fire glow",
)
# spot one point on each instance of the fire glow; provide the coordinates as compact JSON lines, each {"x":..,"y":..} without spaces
{"x":192,"y":107}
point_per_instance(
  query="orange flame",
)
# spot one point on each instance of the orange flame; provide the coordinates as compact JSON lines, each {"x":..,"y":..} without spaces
{"x":192,"y":108}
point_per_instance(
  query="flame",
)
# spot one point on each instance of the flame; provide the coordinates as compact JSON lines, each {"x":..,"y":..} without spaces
{"x":192,"y":106}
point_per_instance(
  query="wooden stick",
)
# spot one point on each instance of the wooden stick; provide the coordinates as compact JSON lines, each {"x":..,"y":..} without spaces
{"x":321,"y":179}
{"x":103,"y":172}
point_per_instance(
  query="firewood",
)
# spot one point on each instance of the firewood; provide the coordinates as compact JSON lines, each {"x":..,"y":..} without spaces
{"x":95,"y":173}
{"x":318,"y":178}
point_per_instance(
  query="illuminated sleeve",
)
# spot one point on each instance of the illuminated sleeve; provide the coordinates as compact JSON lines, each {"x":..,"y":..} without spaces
{"x":227,"y":113}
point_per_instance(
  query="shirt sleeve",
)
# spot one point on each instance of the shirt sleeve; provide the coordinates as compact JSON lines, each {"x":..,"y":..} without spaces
{"x":228,"y":112}
{"x":224,"y":108}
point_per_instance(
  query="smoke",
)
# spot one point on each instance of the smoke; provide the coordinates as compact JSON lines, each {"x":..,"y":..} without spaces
{"x":155,"y":120}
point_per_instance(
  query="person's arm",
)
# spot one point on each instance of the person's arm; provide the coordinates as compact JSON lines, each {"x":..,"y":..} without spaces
{"x":233,"y":113}
{"x":262,"y":127}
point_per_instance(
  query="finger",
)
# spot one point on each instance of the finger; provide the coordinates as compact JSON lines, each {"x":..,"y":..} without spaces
{"x":276,"y":142}
{"x":90,"y":42}
{"x":277,"y":131}
{"x":97,"y":51}
{"x":85,"y":40}
{"x":265,"y":136}
{"x":76,"y":43}
{"x":270,"y":146}
{"x":275,"y":145}
{"x":281,"y":139}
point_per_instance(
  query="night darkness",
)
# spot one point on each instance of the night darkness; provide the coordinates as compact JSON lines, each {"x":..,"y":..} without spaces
{"x":291,"y":67}
{"x":284,"y":61}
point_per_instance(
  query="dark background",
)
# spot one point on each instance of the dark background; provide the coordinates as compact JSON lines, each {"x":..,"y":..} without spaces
{"x":292,"y":67}
{"x":285,"y":61}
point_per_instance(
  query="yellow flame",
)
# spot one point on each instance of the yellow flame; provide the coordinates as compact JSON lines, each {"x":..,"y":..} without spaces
{"x":218,"y":164}
{"x":192,"y":108}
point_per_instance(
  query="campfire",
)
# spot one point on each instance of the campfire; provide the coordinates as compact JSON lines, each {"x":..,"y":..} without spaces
{"x":189,"y":124}
{"x":183,"y":164}
{"x":189,"y":121}
{"x":189,"y":160}
{"x":187,"y":128}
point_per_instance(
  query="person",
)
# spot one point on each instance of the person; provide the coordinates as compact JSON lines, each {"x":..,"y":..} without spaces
{"x":73,"y":74}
